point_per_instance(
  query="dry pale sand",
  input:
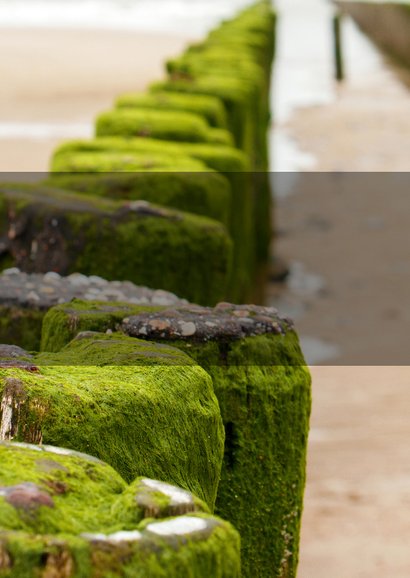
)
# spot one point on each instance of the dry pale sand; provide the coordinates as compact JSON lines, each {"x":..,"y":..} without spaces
{"x":356,"y":522}
{"x":65,"y":77}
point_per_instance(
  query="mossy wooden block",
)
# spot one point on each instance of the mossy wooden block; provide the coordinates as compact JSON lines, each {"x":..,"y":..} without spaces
{"x":49,"y":229}
{"x":209,"y":107}
{"x":235,"y":94}
{"x":201,"y":191}
{"x":242,"y":48}
{"x":161,"y":124}
{"x":144,"y":160}
{"x":143,"y":408}
{"x":62,"y":323}
{"x":225,"y":65}
{"x":263,"y":388}
{"x":70,"y":515}
{"x":221,"y":158}
{"x":223,"y":61}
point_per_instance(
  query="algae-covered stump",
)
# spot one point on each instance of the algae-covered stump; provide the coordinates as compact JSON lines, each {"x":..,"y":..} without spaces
{"x":206,"y":192}
{"x":144,"y":408}
{"x":118,"y":168}
{"x":263,"y":389}
{"x":68,"y":515}
{"x":209,"y":107}
{"x":63,"y":323}
{"x":25,"y":298}
{"x":147,"y":244}
{"x":234,"y":64}
{"x":160,"y":124}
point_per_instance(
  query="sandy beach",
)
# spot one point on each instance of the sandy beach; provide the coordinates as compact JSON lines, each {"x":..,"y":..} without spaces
{"x":356,"y":519}
{"x":352,"y":245}
{"x":54,"y":82}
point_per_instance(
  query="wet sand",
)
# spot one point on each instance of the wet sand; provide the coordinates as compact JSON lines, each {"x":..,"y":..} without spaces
{"x":367,"y":128}
{"x":355,"y":244}
{"x":58,"y":80}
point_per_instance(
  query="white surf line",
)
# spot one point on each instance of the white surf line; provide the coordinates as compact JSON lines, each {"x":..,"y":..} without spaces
{"x":197,"y":16}
{"x":44,"y":131}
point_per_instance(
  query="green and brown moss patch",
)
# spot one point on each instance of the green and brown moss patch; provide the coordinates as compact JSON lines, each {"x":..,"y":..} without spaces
{"x":263,"y":388}
{"x":145,"y":409}
{"x":49,"y":229}
{"x":70,"y":515}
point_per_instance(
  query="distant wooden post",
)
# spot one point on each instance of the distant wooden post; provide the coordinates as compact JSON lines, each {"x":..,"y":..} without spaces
{"x":338,"y":49}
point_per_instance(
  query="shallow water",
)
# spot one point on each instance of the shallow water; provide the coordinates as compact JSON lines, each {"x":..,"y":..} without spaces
{"x":304,"y":72}
{"x":304,"y":77}
{"x":197,"y":16}
{"x":45,"y":131}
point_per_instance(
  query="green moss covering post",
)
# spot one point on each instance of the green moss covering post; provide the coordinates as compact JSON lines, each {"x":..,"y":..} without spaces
{"x":103,"y":167}
{"x":62,"y":323}
{"x":224,"y":62}
{"x":110,"y":160}
{"x":185,"y":156}
{"x":143,"y":408}
{"x":240,"y":100}
{"x":68,"y":514}
{"x":223,"y":81}
{"x":240,"y":49}
{"x":195,"y":192}
{"x":209,"y":107}
{"x":235,"y":94}
{"x":160,"y":124}
{"x":156,"y":247}
{"x":263,"y":389}
{"x":234,"y":63}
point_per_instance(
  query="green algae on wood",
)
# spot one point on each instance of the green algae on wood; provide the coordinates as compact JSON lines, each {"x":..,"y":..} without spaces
{"x":160,"y":124}
{"x":235,"y":95}
{"x":69,"y":515}
{"x":209,"y":107}
{"x":234,"y":63}
{"x":106,"y":167}
{"x":263,"y":389}
{"x":222,"y":158}
{"x":145,"y":409}
{"x":145,"y":161}
{"x":51,"y":229}
{"x":63,"y":322}
{"x":200,"y":193}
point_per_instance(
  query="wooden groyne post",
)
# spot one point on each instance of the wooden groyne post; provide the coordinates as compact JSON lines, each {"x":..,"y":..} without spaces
{"x":338,"y":46}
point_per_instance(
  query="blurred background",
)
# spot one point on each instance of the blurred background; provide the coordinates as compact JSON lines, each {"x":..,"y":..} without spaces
{"x":339,"y":161}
